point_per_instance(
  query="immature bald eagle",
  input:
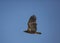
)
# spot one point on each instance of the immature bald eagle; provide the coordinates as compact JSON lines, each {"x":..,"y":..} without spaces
{"x":32,"y":26}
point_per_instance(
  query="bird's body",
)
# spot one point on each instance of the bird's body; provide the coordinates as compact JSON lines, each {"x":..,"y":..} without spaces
{"x":32,"y":26}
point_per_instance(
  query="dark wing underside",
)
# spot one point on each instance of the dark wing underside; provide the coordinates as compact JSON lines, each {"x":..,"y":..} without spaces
{"x":32,"y":24}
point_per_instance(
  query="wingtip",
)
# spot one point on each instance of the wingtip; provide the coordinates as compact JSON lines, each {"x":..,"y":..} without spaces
{"x":38,"y":33}
{"x":33,"y":15}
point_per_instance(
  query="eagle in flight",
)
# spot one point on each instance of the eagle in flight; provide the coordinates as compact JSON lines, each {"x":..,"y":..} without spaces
{"x":32,"y":26}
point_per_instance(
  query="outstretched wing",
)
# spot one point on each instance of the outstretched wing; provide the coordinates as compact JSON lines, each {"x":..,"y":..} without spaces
{"x":32,"y":24}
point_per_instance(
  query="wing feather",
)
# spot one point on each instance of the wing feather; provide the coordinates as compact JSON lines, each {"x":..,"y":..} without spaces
{"x":32,"y":24}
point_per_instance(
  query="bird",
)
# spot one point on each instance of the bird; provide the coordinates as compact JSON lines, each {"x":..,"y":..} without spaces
{"x":32,"y":26}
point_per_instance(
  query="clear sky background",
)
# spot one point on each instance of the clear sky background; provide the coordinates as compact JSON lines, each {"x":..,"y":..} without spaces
{"x":14,"y":15}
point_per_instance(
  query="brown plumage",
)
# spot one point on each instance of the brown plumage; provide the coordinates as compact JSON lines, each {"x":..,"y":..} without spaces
{"x":32,"y":26}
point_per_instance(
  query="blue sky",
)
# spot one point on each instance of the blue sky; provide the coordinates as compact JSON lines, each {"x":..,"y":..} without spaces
{"x":14,"y":16}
